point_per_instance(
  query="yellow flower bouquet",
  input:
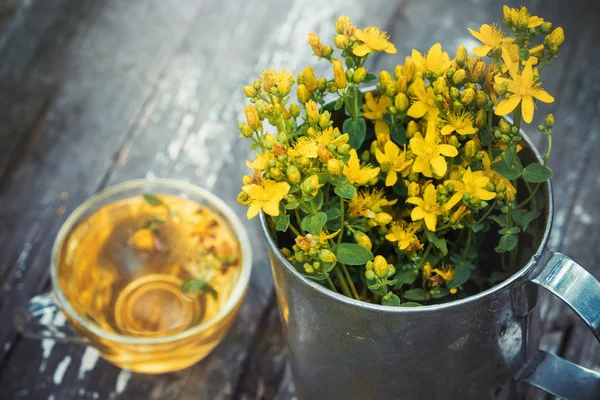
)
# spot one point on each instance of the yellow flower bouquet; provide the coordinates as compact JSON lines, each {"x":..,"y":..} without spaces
{"x":414,"y":191}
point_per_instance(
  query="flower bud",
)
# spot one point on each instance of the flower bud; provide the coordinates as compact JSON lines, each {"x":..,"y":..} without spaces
{"x":414,"y":189}
{"x":556,"y":39}
{"x":478,"y":70}
{"x":249,"y":91}
{"x":470,"y":148}
{"x":537,"y":51}
{"x":247,"y":180}
{"x":334,"y":167}
{"x":327,"y":51}
{"x":362,"y":239}
{"x":342,"y":23}
{"x":453,"y":141}
{"x":412,"y":128}
{"x":480,"y":98}
{"x":310,"y":80}
{"x":401,"y":102}
{"x":440,"y":85}
{"x":459,"y":214}
{"x":312,"y":112}
{"x":468,"y":96}
{"x":504,"y":126}
{"x":302,"y":93}
{"x":244,"y":199}
{"x":327,"y":256}
{"x":409,"y":69}
{"x":385,"y":78}
{"x":369,"y":274}
{"x":461,"y":56}
{"x":276,"y":173}
{"x":256,"y":84}
{"x":380,"y":267}
{"x":339,"y":74}
{"x":343,"y":148}
{"x":294,"y":110}
{"x":359,"y":75}
{"x":383,"y":218}
{"x":480,"y":119}
{"x":315,"y":43}
{"x":340,"y":41}
{"x":284,"y":88}
{"x":549,"y":121}
{"x":310,"y":185}
{"x":321,"y":83}
{"x":293,"y":174}
{"x":459,"y":77}
{"x":331,"y":87}
{"x":247,"y":131}
{"x":390,"y":90}
{"x":308,"y":268}
{"x":401,"y":84}
{"x":457,"y":106}
{"x":454,"y":92}
{"x":252,"y":116}
{"x":545,"y":27}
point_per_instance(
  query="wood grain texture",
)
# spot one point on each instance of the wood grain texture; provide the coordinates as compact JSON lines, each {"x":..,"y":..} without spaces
{"x":98,"y":92}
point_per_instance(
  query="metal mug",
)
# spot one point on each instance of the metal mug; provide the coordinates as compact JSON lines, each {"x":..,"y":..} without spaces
{"x":479,"y":347}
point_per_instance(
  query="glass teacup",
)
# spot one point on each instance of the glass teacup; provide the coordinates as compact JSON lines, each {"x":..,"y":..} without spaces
{"x":150,"y":272}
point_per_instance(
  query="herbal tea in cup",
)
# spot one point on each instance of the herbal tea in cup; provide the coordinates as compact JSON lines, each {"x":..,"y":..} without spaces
{"x":152,"y":273}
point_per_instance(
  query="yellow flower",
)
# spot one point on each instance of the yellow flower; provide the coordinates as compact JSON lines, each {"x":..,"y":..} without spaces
{"x":265,"y":196}
{"x":427,"y":270}
{"x":404,"y":234}
{"x":491,"y":36}
{"x":446,"y":273}
{"x":459,"y":123}
{"x":513,"y":15}
{"x":305,"y":146}
{"x":323,"y":237}
{"x":271,"y":78}
{"x":430,"y":154}
{"x":496,"y":178}
{"x":261,"y":163}
{"x":392,"y":161}
{"x":524,"y":88}
{"x":357,"y":175}
{"x":368,"y":203}
{"x":339,"y":74}
{"x":436,"y":60}
{"x":373,"y":39}
{"x":252,"y":116}
{"x":425,"y":103}
{"x":375,"y":109}
{"x":511,"y":58}
{"x":315,"y":43}
{"x":473,"y":184}
{"x":427,"y":208}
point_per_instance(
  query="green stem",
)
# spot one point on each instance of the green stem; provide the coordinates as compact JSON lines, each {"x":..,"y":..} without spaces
{"x":340,"y":278}
{"x":427,"y":250}
{"x":331,"y":285}
{"x":294,"y":230}
{"x":350,"y":283}
{"x":531,"y":196}
{"x":339,"y":240}
{"x":517,"y":117}
{"x":549,"y":149}
{"x":487,"y":213}
{"x":466,"y":250}
{"x":299,"y":220}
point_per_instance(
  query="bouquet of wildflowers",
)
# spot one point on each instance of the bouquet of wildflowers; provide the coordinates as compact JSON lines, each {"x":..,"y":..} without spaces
{"x":414,"y":192}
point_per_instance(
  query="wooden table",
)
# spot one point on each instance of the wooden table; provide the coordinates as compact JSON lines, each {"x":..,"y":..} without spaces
{"x":95,"y":92}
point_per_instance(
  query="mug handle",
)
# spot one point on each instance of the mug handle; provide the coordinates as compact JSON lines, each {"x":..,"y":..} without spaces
{"x":571,"y":283}
{"x":41,"y":318}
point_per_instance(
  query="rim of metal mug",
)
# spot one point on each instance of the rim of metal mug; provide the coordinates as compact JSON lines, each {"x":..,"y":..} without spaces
{"x":427,"y":308}
{"x":236,"y":225}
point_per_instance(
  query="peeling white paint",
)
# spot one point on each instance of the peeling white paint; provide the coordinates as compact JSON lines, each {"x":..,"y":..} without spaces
{"x":558,"y":232}
{"x":584,"y":216}
{"x":59,"y":373}
{"x":88,"y":361}
{"x":122,"y":380}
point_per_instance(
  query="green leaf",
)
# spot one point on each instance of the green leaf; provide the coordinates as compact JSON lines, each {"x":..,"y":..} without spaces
{"x":437,"y":242}
{"x":509,"y":231}
{"x":314,"y":223}
{"x":283,"y":222}
{"x":345,"y":191}
{"x":316,"y":277}
{"x":486,"y":137}
{"x":370,"y":77}
{"x":353,"y":254}
{"x":438,"y":293}
{"x":356,"y":129}
{"x":406,"y":277}
{"x":523,"y":218}
{"x":499,"y":219}
{"x":153,"y":200}
{"x":317,"y":201}
{"x":333,"y":213}
{"x":478,"y":227}
{"x":417,"y":294}
{"x":339,"y":103}
{"x":507,"y":243}
{"x":390,"y":299}
{"x":459,"y":262}
{"x":410,"y":304}
{"x":398,"y":134}
{"x":537,"y":173}
{"x":510,"y":155}
{"x":198,"y":285}
{"x":461,"y":275}
{"x":349,"y":62}
{"x":507,"y":172}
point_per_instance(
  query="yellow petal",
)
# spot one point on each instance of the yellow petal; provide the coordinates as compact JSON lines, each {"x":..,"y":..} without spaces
{"x":417,"y":144}
{"x":482,"y":51}
{"x":468,"y":130}
{"x":271,"y":207}
{"x":417,"y":213}
{"x":391,"y":178}
{"x":421,"y":164}
{"x":253,"y":209}
{"x":485,"y":195}
{"x":447,"y":150}
{"x":439,"y":165}
{"x":417,"y":110}
{"x":528,"y":107}
{"x":417,"y":201}
{"x":430,"y":221}
{"x":391,"y":150}
{"x":474,"y":33}
{"x":453,"y":200}
{"x":448,"y":129}
{"x":507,"y":106}
{"x":381,"y":158}
{"x":361,"y":50}
{"x":391,"y":49}
{"x":542,"y":96}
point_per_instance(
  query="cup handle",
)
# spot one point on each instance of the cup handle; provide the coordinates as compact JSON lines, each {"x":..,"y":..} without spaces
{"x":41,"y":318}
{"x":571,"y":283}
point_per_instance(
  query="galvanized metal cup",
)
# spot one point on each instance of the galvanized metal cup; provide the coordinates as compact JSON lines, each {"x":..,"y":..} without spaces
{"x":480,"y":347}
